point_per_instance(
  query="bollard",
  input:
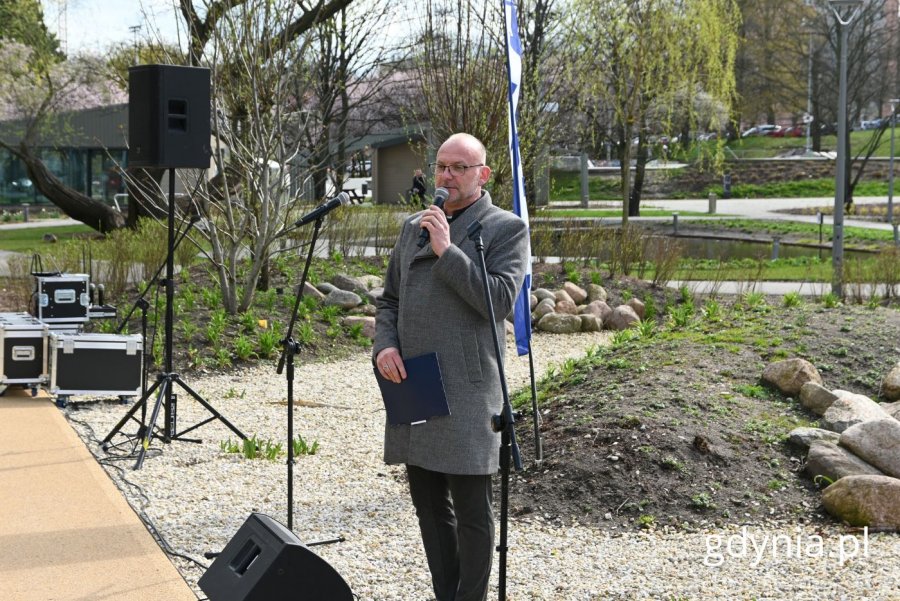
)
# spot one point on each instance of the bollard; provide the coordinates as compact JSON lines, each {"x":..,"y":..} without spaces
{"x":712,"y":203}
{"x":820,"y":218}
{"x":25,"y":206}
{"x":674,"y":223}
{"x":776,"y":242}
{"x":726,"y":185}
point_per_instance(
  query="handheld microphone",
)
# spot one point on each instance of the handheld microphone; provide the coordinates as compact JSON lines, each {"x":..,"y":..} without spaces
{"x":440,"y":195}
{"x":323,"y":209}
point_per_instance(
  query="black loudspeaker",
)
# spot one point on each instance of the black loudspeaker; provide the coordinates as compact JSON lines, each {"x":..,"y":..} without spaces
{"x":266,"y":562}
{"x":168,"y":116}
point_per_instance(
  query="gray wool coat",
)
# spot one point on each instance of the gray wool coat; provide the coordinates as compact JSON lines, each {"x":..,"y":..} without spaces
{"x":433,"y":304}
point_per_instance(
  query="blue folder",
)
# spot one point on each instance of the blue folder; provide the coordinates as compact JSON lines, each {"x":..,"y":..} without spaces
{"x":419,"y":397}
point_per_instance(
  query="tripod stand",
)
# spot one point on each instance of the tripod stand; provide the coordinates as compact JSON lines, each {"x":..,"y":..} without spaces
{"x":166,"y":380}
{"x":505,"y":421}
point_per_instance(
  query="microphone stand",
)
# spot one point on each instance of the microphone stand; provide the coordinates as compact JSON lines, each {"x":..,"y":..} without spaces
{"x":503,"y":422}
{"x":291,"y":347}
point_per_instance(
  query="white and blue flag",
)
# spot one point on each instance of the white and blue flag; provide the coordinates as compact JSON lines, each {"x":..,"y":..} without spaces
{"x":522,"y":308}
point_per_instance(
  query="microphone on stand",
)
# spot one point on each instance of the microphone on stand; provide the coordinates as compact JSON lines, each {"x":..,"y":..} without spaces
{"x":440,"y":195}
{"x":342,"y":199}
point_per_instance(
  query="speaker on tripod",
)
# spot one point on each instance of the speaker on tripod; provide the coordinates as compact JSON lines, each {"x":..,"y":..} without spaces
{"x":169,"y":127}
{"x":168,"y":117}
{"x":264,"y":561}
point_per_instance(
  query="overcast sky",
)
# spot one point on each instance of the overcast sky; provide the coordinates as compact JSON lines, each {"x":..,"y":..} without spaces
{"x":93,"y":25}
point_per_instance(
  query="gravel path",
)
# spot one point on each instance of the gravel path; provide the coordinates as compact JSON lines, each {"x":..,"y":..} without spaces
{"x":197,"y":496}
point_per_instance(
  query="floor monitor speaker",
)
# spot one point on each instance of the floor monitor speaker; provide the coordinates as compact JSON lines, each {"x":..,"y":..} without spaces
{"x":265,"y":561}
{"x":168,"y":117}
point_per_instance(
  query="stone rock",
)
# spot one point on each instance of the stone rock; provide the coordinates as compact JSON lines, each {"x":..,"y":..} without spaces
{"x":590,"y":323}
{"x":566,"y":306}
{"x":367,"y":309}
{"x":816,"y":397}
{"x":560,"y":323}
{"x":877,"y":442}
{"x":890,"y":386}
{"x":637,"y":305}
{"x":533,"y":301}
{"x":371,"y":282}
{"x":790,"y":375}
{"x":872,"y":501}
{"x":562,"y":295}
{"x":310,"y":290}
{"x":543,"y":294}
{"x":804,"y":437}
{"x":575,"y":292}
{"x":851,"y":409}
{"x":345,"y":282}
{"x":892,"y":409}
{"x":543,"y":307}
{"x":343,"y":299}
{"x":368,"y":324}
{"x":375,"y":293}
{"x":829,"y":460}
{"x":596,"y":292}
{"x":51,"y":238}
{"x":327,"y":287}
{"x":598,"y":308}
{"x":621,"y":318}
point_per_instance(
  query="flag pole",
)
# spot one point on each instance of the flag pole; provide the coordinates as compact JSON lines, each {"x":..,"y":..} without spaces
{"x":522,"y":316}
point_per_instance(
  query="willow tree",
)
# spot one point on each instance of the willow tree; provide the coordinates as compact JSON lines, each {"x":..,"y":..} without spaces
{"x":646,"y":60}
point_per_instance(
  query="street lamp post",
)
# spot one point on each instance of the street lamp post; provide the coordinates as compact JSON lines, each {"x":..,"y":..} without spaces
{"x":844,"y":11}
{"x":890,"y":207}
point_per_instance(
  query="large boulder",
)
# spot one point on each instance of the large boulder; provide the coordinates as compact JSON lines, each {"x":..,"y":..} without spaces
{"x":892,"y":409}
{"x":638,"y":306}
{"x":598,"y":308}
{"x":562,"y":295}
{"x":575,"y":292}
{"x":560,"y":323}
{"x":343,"y":299}
{"x":544,"y":294}
{"x":590,"y":323}
{"x":621,"y":318}
{"x":890,"y":386}
{"x":829,"y":460}
{"x":371,"y":281}
{"x":790,"y":375}
{"x":816,"y":397}
{"x":367,"y":323}
{"x":876,"y":441}
{"x":310,"y":290}
{"x":545,"y":306}
{"x":348,"y":283}
{"x":566,"y":306}
{"x":872,"y":501}
{"x":851,"y":409}
{"x":596,"y":292}
{"x":804,"y":437}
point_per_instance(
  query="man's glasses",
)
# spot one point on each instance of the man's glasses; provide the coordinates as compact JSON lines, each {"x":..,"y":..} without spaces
{"x":455,"y":170}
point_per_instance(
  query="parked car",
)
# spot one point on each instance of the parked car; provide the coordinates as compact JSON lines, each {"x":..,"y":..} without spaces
{"x":761,"y":130}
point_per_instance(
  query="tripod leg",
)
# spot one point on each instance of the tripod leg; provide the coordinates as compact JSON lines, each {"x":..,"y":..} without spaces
{"x":164,"y":386}
{"x":209,"y":407}
{"x":141,"y":403}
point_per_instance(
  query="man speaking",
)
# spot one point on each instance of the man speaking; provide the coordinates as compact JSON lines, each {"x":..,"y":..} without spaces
{"x":434,"y":301}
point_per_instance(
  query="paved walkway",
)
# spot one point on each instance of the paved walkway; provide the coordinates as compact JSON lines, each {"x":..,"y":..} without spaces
{"x":66,"y":532}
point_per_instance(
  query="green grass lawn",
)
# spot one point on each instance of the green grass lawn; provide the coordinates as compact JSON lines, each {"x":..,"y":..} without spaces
{"x":31,"y":239}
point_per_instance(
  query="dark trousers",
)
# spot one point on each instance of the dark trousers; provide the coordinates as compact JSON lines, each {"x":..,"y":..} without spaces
{"x":456,"y":519}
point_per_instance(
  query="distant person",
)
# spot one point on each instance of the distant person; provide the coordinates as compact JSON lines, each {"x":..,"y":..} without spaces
{"x":418,"y":187}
